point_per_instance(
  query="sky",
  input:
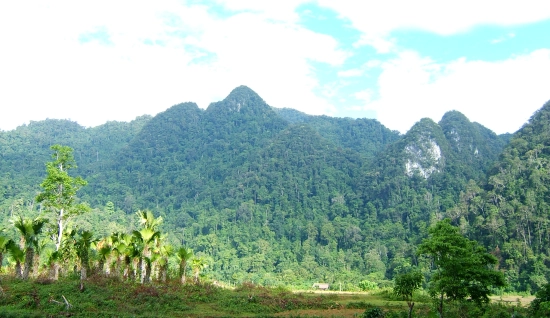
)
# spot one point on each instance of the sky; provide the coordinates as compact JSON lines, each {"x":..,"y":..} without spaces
{"x":394,"y":61}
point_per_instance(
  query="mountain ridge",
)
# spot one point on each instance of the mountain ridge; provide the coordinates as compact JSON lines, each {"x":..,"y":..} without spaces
{"x":263,"y":192}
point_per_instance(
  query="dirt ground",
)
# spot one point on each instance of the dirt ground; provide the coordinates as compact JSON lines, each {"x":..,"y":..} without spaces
{"x":513,"y":299}
{"x":333,"y":313}
{"x":358,"y":296}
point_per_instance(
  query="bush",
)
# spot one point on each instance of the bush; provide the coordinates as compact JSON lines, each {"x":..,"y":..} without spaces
{"x":540,"y":307}
{"x":366,"y":285}
{"x":375,"y":312}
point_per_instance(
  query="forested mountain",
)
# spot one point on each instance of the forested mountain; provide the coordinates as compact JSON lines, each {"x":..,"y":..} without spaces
{"x":511,"y":213}
{"x":275,"y":195}
{"x":23,"y":151}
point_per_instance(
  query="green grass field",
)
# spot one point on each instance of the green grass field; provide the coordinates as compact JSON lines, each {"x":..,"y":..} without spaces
{"x":109,"y":297}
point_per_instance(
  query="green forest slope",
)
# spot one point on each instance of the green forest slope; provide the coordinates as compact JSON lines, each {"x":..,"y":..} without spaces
{"x":277,"y":196}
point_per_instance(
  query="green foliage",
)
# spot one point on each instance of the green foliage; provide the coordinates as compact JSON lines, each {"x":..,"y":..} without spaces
{"x":60,"y":189}
{"x":183,"y":255}
{"x":279,"y":197}
{"x":375,"y":312}
{"x":540,"y":306}
{"x":29,"y":229}
{"x":463,"y":269}
{"x":366,"y":285}
{"x":405,"y":286}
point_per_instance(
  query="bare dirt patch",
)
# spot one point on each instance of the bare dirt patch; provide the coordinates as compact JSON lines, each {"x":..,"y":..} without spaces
{"x":336,"y":313}
{"x":513,"y":299}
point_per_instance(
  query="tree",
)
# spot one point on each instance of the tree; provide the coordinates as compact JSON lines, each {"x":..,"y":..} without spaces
{"x":147,"y":220}
{"x":463,"y":268}
{"x":18,"y":255}
{"x":540,"y":306}
{"x":406,"y":284}
{"x":29,"y":229}
{"x":165,"y":251}
{"x":60,"y":189}
{"x":83,"y":244}
{"x":103,"y":252}
{"x":184,"y":255}
{"x":198,"y":264}
{"x":4,"y":247}
{"x":147,"y":238}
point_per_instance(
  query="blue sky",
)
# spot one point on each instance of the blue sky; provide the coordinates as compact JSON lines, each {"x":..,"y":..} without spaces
{"x":395,"y":61}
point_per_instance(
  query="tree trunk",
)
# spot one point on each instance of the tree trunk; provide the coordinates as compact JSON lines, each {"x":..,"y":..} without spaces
{"x":101,"y":266}
{"x":84,"y":265}
{"x":143,"y":265}
{"x":18,"y":273}
{"x":139,"y":269}
{"x":183,"y":276}
{"x":35,"y":264}
{"x":147,"y":275}
{"x":1,"y":260}
{"x":197,"y":276}
{"x":164,"y":272}
{"x":29,"y":257}
{"x":83,"y":273}
{"x":59,"y":230}
{"x":183,"y":271}
{"x":440,"y":309}
{"x":55,"y":271}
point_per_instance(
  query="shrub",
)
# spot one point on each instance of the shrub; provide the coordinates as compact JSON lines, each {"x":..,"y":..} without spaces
{"x":375,"y":312}
{"x":366,"y":285}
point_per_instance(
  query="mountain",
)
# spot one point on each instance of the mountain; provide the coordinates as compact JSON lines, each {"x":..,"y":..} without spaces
{"x":366,"y":136}
{"x":275,"y":195}
{"x":474,"y":145}
{"x":419,"y":179}
{"x":510,"y":213}
{"x":24,"y":151}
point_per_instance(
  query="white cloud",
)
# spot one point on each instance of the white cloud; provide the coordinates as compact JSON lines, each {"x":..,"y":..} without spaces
{"x":365,"y":95}
{"x":503,"y":38}
{"x":351,"y":73}
{"x":500,"y":95}
{"x":377,"y":19}
{"x":157,"y":54}
{"x":155,"y":57}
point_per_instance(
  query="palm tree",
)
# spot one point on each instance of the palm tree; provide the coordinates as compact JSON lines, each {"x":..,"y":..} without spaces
{"x":53,"y":264}
{"x":184,"y":255}
{"x":147,"y":220}
{"x":18,"y":255}
{"x":104,"y":251}
{"x":40,"y":248}
{"x":120,"y":244}
{"x":29,"y":229}
{"x":4,"y":247}
{"x":198,"y":264}
{"x":165,"y":251}
{"x":133,"y":260}
{"x":145,"y":238}
{"x":82,"y":246}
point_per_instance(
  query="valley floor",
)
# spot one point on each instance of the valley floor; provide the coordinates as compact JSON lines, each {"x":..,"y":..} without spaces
{"x":109,"y":297}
